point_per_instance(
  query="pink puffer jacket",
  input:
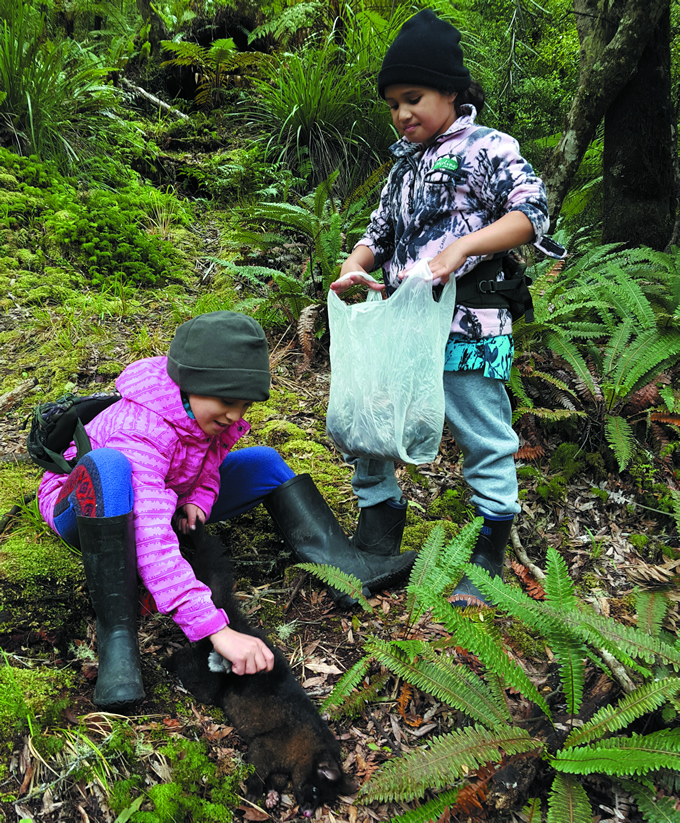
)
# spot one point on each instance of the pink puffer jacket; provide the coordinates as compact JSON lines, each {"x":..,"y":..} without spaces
{"x":173,"y":463}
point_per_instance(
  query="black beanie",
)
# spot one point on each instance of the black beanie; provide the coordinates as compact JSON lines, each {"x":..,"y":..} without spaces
{"x":221,"y":354}
{"x":425,"y":53}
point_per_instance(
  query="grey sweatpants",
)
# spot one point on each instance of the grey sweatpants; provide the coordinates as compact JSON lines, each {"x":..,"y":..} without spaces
{"x":479,"y":415}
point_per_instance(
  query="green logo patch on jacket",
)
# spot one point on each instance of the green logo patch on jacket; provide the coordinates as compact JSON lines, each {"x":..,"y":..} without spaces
{"x":447,"y":163}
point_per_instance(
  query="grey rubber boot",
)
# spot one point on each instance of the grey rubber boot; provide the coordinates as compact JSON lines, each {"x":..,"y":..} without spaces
{"x":315,"y":536}
{"x":380,"y":528}
{"x":489,"y":553}
{"x":110,"y":561}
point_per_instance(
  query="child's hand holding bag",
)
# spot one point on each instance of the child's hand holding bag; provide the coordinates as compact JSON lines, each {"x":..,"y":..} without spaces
{"x":387,"y":364}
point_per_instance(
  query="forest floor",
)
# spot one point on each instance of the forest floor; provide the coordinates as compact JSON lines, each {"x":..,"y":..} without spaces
{"x":604,"y":524}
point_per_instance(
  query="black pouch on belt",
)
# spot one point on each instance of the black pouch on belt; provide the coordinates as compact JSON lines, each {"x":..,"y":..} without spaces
{"x":479,"y":288}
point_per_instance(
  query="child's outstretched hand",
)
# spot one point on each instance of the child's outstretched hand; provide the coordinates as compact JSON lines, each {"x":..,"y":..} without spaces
{"x":247,"y":654}
{"x":353,"y":278}
{"x":185,"y":518}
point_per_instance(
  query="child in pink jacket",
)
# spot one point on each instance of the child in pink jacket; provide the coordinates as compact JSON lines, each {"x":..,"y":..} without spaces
{"x":162,"y":456}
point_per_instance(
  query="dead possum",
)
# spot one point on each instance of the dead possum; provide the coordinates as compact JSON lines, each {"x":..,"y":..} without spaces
{"x":287,"y":739}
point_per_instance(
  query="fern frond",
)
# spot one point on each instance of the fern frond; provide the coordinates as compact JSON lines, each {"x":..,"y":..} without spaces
{"x":568,"y":351}
{"x":454,"y":685}
{"x":517,"y":388}
{"x":474,"y":637}
{"x":648,"y":355}
{"x":287,"y":214}
{"x":187,"y":54}
{"x":455,"y":555}
{"x":432,"y":810}
{"x":331,"y":576}
{"x":553,"y":415}
{"x":346,"y":683}
{"x":624,"y":294}
{"x":643,"y":700}
{"x":654,"y":809}
{"x":256,"y":274}
{"x":616,"y":346}
{"x":533,"y":811}
{"x":558,"y":585}
{"x":650,"y":608}
{"x":567,"y":648}
{"x":622,"y":641}
{"x":568,"y":801}
{"x":448,"y":758}
{"x":621,"y":439}
{"x":621,"y":756}
{"x":427,"y":560}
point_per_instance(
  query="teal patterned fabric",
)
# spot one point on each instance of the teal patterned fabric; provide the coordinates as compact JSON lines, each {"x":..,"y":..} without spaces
{"x":492,"y":354}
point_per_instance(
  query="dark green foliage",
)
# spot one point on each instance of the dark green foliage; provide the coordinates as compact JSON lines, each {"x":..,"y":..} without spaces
{"x":610,"y":321}
{"x":574,"y":633}
{"x":53,"y":92}
{"x":215,"y":65}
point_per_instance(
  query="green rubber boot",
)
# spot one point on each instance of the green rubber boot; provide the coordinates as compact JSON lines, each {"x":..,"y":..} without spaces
{"x":110,"y":561}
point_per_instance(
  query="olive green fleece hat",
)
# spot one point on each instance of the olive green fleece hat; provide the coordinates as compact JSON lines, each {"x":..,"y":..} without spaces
{"x":221,"y":354}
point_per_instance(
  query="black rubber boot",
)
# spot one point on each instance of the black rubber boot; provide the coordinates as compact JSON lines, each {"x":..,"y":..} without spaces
{"x":489,"y":553}
{"x":315,"y":536}
{"x":380,"y":528}
{"x":110,"y":561}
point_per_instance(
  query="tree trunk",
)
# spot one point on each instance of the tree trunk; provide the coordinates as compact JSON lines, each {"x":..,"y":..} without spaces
{"x":606,"y":66}
{"x":638,"y":163}
{"x":157,"y":31}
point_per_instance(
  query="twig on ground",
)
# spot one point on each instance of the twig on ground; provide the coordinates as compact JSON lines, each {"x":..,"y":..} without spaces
{"x":523,"y":557}
{"x":296,"y":588}
{"x":618,"y":671}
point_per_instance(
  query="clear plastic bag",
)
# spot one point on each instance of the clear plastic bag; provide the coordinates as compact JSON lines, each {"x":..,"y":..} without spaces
{"x":387,"y":364}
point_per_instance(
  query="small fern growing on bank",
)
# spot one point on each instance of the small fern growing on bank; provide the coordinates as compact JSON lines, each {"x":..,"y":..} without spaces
{"x":575,"y":634}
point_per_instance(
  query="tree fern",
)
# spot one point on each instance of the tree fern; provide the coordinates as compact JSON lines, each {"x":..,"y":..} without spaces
{"x":568,"y":802}
{"x":452,"y":684}
{"x":475,"y":638}
{"x":643,"y":700}
{"x":347,"y":583}
{"x":650,"y":607}
{"x":622,"y":756}
{"x":432,"y":810}
{"x":447,"y":759}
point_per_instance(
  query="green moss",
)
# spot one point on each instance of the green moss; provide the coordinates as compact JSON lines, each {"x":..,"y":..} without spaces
{"x":525,"y":640}
{"x":417,"y":531}
{"x":31,"y":552}
{"x":27,"y":696}
{"x":276,"y":432}
{"x":452,"y":504}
